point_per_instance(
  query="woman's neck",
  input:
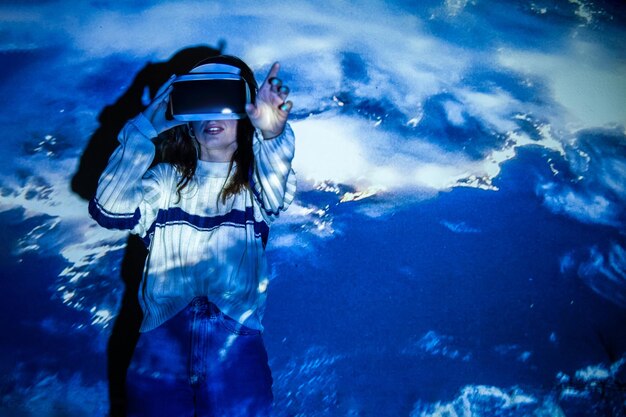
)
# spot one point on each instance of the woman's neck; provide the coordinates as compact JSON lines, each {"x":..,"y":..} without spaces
{"x":217,"y":155}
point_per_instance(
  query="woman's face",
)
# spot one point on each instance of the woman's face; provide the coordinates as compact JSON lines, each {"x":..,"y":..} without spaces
{"x":217,"y":139}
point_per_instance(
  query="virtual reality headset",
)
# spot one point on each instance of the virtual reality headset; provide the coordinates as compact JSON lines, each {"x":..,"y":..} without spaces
{"x":209,"y":92}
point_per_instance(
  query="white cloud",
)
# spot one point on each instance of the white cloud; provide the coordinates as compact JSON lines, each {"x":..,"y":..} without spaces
{"x":477,"y":398}
{"x":586,"y":79}
{"x":598,"y":193}
{"x":403,"y":63}
{"x":347,"y":150}
{"x":605,"y":273}
{"x":588,"y":208}
{"x":45,"y":190}
{"x":496,"y":107}
{"x":460,"y":227}
{"x":454,"y":112}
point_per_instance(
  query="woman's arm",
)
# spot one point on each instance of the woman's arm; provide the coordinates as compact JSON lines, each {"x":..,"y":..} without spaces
{"x":273,"y":181}
{"x":120,"y":193}
{"x":128,"y":196}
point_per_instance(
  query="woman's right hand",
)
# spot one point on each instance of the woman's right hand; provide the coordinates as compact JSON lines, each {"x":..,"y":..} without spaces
{"x":156,"y":110}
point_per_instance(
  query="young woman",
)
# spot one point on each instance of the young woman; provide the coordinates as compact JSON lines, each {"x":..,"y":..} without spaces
{"x":204,"y":215}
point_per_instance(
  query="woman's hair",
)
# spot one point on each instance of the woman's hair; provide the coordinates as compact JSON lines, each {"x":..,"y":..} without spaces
{"x":182,"y":150}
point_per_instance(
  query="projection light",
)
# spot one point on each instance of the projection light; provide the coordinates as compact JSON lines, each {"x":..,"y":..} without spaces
{"x":209,"y":92}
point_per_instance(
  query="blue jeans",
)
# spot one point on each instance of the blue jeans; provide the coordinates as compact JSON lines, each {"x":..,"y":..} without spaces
{"x":200,"y":363}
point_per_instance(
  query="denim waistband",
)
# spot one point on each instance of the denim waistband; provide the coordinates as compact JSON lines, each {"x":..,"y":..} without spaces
{"x":202,"y":304}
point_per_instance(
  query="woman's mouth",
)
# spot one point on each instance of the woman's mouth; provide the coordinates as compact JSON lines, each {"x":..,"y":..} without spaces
{"x":213,"y":130}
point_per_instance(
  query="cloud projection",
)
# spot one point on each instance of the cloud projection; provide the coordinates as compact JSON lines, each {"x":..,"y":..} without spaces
{"x":456,"y":246}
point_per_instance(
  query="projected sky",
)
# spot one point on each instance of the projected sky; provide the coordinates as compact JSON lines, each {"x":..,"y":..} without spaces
{"x":456,"y":246}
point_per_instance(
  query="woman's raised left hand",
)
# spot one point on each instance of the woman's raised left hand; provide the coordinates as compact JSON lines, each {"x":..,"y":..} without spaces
{"x":270,"y":111}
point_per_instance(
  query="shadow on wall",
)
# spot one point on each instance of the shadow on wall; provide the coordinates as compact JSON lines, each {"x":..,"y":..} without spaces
{"x":102,"y":143}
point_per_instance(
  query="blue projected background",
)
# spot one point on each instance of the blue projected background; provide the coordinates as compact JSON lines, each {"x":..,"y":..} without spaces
{"x":457,"y":246}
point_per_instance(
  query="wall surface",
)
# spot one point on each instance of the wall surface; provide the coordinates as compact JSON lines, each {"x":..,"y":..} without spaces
{"x":456,"y":247}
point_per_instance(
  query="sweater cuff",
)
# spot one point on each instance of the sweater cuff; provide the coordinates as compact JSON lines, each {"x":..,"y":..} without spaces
{"x":282,"y":144}
{"x":144,"y":126}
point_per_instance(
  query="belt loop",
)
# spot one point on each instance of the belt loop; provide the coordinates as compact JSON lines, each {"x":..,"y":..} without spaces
{"x":201,"y":304}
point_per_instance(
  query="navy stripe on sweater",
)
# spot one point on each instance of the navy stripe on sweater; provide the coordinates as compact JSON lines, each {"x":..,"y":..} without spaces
{"x":234,"y":218}
{"x":113,"y":220}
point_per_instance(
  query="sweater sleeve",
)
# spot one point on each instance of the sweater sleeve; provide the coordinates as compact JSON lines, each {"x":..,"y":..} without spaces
{"x":127,"y":196}
{"x":273,"y":180}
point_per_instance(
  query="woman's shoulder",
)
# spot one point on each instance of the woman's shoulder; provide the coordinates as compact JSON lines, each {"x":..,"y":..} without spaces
{"x":163,"y":173}
{"x":162,"y":169}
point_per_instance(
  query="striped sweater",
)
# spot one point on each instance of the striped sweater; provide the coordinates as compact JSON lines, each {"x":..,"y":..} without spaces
{"x":197,"y":244}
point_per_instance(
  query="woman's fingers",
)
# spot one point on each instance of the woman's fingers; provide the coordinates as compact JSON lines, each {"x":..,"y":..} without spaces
{"x":161,"y":101}
{"x":283,"y":92}
{"x":164,"y":87}
{"x":286,"y":106}
{"x":272,"y":91}
{"x":157,"y":109}
{"x":271,"y":109}
{"x":275,"y":84}
{"x":253,"y":111}
{"x":272,"y":74}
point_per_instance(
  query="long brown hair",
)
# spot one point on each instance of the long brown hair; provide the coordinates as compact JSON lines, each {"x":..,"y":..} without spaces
{"x":182,"y":150}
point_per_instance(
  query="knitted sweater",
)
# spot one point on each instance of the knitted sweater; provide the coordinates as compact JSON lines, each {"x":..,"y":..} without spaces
{"x":198,"y":246}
